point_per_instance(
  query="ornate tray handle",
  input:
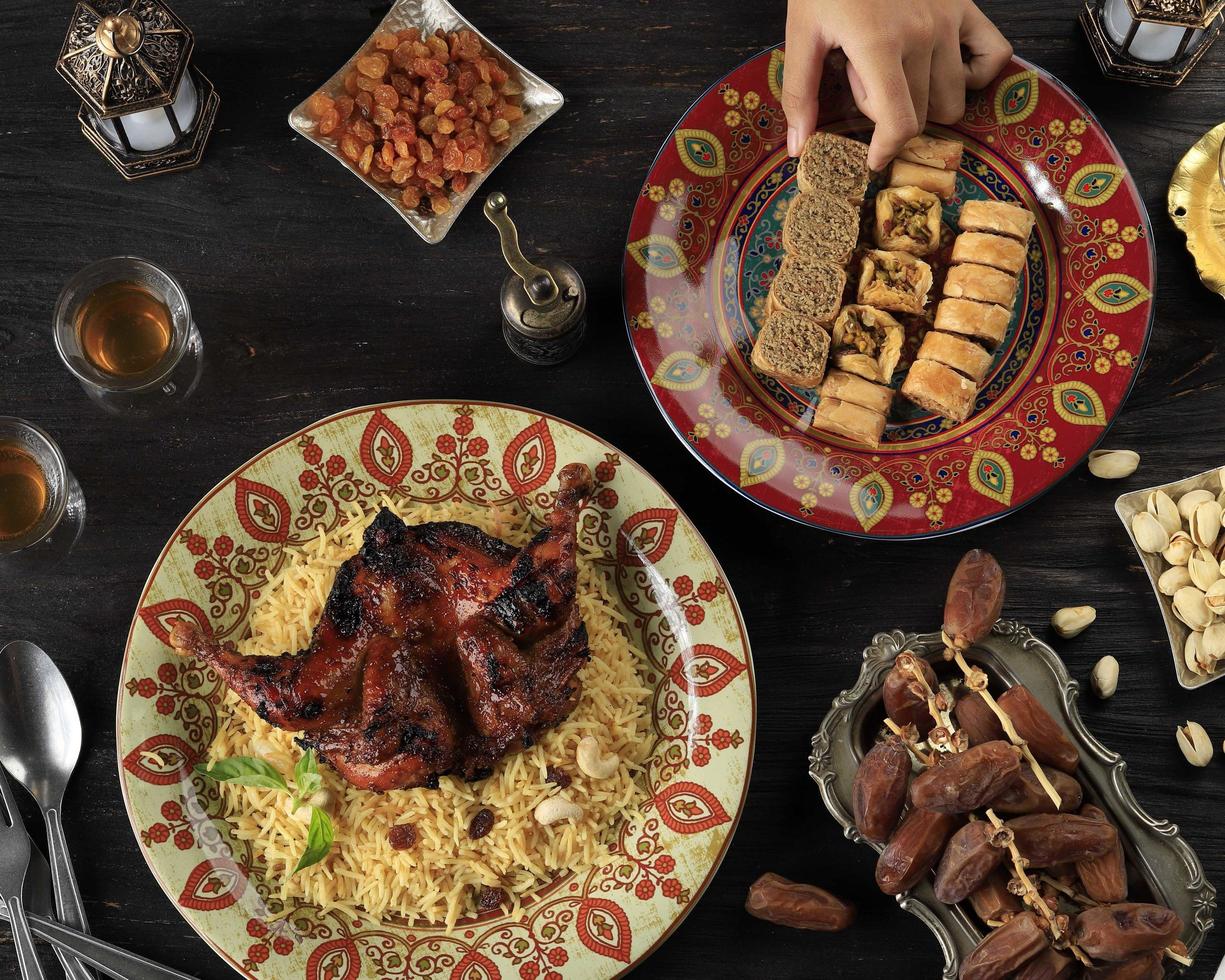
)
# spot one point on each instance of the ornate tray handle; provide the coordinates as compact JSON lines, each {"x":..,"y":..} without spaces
{"x":1012,"y":655}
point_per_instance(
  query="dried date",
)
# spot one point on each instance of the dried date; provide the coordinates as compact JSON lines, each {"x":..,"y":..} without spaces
{"x":1005,"y":950}
{"x":974,"y":600}
{"x":789,"y":903}
{"x":1104,"y":878}
{"x":1047,"y":741}
{"x":905,"y":699}
{"x":913,"y":850}
{"x":1048,"y":965}
{"x":969,"y":859}
{"x":1026,"y":795}
{"x":879,"y":790}
{"x":1117,"y":932}
{"x":1145,"y":966}
{"x":966,"y":780}
{"x":976,"y":719}
{"x":1059,"y":838}
{"x":992,"y":900}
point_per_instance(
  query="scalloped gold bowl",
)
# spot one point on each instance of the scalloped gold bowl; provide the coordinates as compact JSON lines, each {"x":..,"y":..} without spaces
{"x":1197,"y":206}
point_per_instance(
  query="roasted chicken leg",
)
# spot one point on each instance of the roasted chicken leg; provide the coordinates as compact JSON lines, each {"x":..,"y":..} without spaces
{"x":439,"y":650}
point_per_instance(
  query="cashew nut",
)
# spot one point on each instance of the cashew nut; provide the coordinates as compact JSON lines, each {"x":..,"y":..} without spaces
{"x":321,"y":798}
{"x":555,"y":808}
{"x":592,"y":762}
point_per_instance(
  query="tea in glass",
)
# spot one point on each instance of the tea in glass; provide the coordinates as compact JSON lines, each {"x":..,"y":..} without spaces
{"x":124,"y":328}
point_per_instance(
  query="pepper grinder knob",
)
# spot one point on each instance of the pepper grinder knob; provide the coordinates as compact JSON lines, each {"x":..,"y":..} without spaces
{"x":544,"y":306}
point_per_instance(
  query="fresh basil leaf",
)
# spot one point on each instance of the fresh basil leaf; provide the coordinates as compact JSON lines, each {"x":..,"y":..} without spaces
{"x":319,"y":839}
{"x":306,"y":776}
{"x":245,"y":770}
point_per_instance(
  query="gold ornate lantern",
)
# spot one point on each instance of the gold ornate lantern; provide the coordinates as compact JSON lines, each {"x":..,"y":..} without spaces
{"x":1153,"y":42}
{"x":143,"y":106}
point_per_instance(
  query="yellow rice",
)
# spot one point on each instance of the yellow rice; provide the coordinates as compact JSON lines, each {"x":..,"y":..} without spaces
{"x":437,"y":879}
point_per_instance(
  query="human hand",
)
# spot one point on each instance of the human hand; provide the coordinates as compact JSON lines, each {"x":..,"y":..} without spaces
{"x":905,"y":64}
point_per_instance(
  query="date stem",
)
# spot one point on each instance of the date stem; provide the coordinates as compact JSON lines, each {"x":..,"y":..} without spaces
{"x":1031,"y":896}
{"x":1010,"y":731}
{"x":900,"y":732}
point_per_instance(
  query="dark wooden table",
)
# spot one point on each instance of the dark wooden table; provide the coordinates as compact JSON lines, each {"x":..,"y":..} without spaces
{"x":312,"y":297}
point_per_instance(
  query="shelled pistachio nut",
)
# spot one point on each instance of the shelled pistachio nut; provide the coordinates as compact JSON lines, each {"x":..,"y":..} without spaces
{"x":1173,"y":579}
{"x":1214,"y":597}
{"x":1150,"y":535}
{"x":1212,"y":643}
{"x":1203,"y":568}
{"x":1180,"y":548}
{"x":1073,"y":620}
{"x":1194,"y":742}
{"x":1192,"y":499}
{"x":1105,"y":677}
{"x":1113,"y":464}
{"x":1190,"y":607}
{"x":1205,"y":523}
{"x":1193,"y":654}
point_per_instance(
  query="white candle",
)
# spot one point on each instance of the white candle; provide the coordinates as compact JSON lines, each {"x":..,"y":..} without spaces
{"x":1153,"y":42}
{"x":150,"y":129}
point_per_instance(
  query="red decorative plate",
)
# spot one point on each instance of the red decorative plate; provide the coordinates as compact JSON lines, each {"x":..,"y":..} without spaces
{"x":667,"y":586}
{"x":703,"y":247}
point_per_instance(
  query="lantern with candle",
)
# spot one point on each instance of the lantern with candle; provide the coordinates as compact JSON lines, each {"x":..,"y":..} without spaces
{"x":143,"y":105}
{"x":1153,"y":42}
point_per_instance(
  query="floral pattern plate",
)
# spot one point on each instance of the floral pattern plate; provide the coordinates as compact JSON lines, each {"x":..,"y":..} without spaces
{"x":705,"y":241}
{"x":678,"y":608}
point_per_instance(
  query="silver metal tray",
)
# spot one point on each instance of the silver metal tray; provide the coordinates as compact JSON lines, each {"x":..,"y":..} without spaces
{"x":1161,"y":862}
{"x":540,"y":101}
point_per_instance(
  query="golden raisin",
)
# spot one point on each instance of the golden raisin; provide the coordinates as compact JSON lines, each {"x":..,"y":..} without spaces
{"x":318,"y":105}
{"x":372,"y":65}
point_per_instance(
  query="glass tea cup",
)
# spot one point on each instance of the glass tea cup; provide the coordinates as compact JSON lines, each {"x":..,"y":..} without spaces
{"x":124,"y":328}
{"x":42,"y":508}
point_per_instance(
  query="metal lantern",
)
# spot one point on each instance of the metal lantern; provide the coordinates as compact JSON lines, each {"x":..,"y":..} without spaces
{"x":1153,"y":42}
{"x":143,"y":106}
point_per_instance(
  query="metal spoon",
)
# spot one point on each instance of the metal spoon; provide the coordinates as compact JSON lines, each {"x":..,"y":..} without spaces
{"x":40,"y":740}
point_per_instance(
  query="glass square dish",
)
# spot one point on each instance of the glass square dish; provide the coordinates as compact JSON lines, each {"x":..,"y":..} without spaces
{"x":1130,"y":504}
{"x":540,"y":101}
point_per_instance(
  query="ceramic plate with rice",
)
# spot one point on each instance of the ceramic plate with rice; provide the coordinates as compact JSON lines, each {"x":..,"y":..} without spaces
{"x":668,"y":688}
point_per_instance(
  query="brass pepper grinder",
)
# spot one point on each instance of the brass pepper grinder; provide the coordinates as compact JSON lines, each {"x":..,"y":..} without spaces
{"x":544,"y":307}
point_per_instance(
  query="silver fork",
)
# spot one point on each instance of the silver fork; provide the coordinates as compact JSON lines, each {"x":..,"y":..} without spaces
{"x":14,"y":861}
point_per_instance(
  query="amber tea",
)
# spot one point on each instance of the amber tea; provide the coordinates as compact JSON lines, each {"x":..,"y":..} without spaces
{"x":23,"y":490}
{"x":124,"y":329}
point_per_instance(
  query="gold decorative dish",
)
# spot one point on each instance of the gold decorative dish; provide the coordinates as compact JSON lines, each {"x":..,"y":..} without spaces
{"x":1197,"y":205}
{"x":540,"y":101}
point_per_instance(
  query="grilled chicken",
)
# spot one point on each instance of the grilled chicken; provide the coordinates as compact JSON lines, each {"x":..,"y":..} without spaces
{"x":439,"y":650}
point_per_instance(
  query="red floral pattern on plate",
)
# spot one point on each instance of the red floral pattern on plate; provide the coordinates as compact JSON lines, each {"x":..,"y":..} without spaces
{"x":678,"y":610}
{"x":703,"y":246}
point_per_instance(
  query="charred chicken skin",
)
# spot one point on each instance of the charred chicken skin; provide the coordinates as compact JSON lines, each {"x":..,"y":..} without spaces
{"x":440,"y":649}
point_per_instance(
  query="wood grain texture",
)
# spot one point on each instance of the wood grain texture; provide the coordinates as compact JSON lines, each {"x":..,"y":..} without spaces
{"x":312,"y":297}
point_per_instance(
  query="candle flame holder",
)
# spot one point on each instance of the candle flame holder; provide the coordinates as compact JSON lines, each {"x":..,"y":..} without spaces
{"x":144,"y":107}
{"x":1151,"y":42}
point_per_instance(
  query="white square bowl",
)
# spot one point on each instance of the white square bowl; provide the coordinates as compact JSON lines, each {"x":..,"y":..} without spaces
{"x":1130,"y":504}
{"x":540,"y":101}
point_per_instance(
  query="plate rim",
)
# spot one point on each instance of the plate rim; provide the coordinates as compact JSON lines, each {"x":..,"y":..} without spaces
{"x":716,"y":863}
{"x":941,"y":532}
